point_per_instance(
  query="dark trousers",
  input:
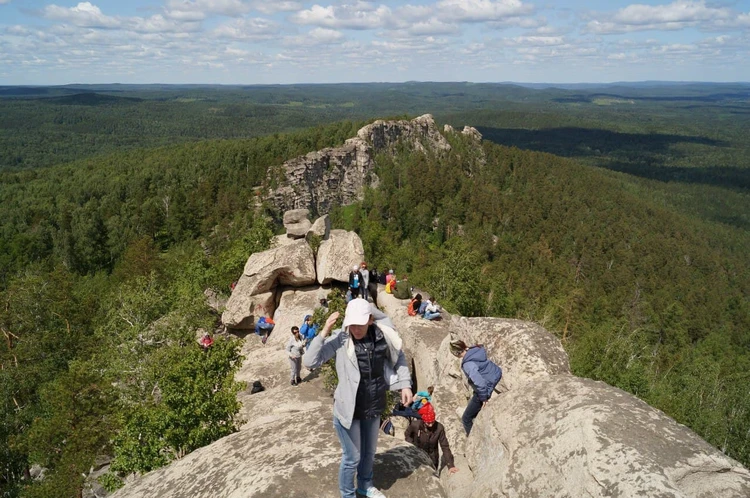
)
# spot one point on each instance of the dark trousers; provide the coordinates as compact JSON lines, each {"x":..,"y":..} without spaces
{"x":471,"y":412}
{"x":355,"y":292}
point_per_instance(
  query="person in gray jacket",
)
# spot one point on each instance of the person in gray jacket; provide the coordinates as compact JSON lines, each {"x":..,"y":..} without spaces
{"x":295,"y":348}
{"x":369,"y":360}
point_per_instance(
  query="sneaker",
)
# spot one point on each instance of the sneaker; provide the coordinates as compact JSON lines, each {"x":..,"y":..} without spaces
{"x":372,"y":492}
{"x":299,"y":380}
{"x":294,"y":382}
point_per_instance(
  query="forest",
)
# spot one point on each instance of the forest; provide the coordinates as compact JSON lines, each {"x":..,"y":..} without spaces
{"x":616,"y":217}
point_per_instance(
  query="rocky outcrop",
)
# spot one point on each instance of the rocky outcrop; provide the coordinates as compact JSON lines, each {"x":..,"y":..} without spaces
{"x":337,"y":256}
{"x":291,"y":264}
{"x":296,"y":223}
{"x":338,"y":176}
{"x":321,"y":228}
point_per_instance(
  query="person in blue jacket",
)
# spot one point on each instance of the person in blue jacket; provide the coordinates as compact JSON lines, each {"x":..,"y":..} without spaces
{"x":308,"y":330}
{"x":483,"y":376}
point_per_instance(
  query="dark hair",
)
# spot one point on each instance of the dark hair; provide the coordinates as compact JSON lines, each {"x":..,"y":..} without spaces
{"x":418,"y":297}
{"x":458,"y":347}
{"x":295,"y":329}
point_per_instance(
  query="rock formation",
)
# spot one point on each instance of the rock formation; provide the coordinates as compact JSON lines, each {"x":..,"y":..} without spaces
{"x":338,"y":176}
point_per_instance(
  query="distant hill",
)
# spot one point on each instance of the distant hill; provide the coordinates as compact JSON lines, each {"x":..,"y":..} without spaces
{"x":93,"y":99}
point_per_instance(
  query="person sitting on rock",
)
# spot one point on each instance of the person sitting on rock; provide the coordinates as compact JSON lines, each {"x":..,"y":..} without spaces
{"x":295,"y":348}
{"x":355,"y":281}
{"x":264,"y":326}
{"x":366,"y":353}
{"x":414,"y":305}
{"x":483,"y":376}
{"x":390,"y":276}
{"x":426,"y":434}
{"x":390,"y":286}
{"x":432,"y":310}
{"x":308,"y":329}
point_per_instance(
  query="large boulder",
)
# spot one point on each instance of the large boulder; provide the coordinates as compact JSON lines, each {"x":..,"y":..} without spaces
{"x":566,"y":436}
{"x":321,"y":228}
{"x":337,"y":256}
{"x":292,"y":264}
{"x":296,"y":223}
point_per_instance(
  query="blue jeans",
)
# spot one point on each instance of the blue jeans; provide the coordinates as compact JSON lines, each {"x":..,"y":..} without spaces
{"x":431,"y":316}
{"x":471,"y":412}
{"x":358,"y":445}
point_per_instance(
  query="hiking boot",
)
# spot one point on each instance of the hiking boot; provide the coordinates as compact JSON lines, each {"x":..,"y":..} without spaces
{"x":294,"y":382}
{"x":299,"y":380}
{"x":371,"y":492}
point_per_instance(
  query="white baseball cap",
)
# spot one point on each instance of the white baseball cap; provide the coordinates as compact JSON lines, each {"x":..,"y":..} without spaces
{"x":358,"y":312}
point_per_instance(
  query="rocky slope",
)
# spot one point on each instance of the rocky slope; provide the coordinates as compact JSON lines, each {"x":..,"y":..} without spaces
{"x":338,"y":176}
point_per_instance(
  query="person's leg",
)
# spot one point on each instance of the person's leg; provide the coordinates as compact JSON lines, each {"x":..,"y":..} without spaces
{"x":298,"y":369}
{"x":431,"y":316}
{"x":350,"y":444}
{"x":471,"y":412}
{"x":293,"y":366}
{"x":369,"y":430}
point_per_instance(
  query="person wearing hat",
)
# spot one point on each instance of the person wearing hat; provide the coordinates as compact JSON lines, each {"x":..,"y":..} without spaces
{"x":426,"y":434}
{"x":369,"y":361}
{"x":483,"y":376}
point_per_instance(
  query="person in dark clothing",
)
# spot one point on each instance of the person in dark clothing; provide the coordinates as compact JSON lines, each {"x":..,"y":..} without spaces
{"x":426,"y":434}
{"x":483,"y":376}
{"x":355,"y":282}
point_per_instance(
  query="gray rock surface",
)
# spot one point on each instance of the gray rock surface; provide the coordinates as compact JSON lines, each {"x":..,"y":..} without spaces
{"x":321,"y":227}
{"x":292,"y":264}
{"x":294,"y":216}
{"x":337,"y":255}
{"x":338,"y":176}
{"x":549,"y":433}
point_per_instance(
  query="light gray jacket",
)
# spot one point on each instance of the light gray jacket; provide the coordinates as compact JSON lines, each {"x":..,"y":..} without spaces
{"x":341,"y":345}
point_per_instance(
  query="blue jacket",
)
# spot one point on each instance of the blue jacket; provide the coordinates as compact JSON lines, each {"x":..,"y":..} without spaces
{"x":308,"y":331}
{"x":482,"y":373}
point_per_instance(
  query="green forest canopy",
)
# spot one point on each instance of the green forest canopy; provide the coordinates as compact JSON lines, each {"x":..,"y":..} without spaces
{"x":643,"y":273}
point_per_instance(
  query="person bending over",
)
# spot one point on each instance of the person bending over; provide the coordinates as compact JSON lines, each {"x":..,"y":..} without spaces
{"x":483,"y":376}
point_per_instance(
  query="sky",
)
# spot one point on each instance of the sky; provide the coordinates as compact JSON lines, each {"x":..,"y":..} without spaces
{"x":45,"y":42}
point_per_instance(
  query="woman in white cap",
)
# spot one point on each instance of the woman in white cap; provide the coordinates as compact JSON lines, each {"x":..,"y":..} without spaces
{"x":369,"y":360}
{"x":355,"y":281}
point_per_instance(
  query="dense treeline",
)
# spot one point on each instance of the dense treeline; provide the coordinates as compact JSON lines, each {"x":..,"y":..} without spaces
{"x":646,"y":299}
{"x":104,"y":264}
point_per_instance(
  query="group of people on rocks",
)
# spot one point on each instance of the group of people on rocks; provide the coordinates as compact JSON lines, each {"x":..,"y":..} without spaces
{"x":369,"y":361}
{"x":428,"y":308}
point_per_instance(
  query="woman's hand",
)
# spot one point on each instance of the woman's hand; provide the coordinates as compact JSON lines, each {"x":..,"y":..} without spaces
{"x":330,"y":323}
{"x":406,"y":396}
{"x":453,"y":470}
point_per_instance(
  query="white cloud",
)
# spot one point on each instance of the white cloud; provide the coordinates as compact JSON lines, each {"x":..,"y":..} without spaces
{"x":482,"y":10}
{"x":248,"y":29}
{"x":361,"y":15}
{"x":273,"y":6}
{"x":84,"y":14}
{"x":204,"y":8}
{"x":3,"y":2}
{"x":317,"y":36}
{"x":677,"y":15}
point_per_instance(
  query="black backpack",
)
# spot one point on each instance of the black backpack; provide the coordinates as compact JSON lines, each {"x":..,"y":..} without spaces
{"x":257,"y":387}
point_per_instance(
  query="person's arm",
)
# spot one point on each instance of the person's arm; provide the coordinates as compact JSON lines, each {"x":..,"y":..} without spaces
{"x":320,"y":349}
{"x":404,"y":379}
{"x":481,"y":386}
{"x":447,"y":455}
{"x":290,"y":346}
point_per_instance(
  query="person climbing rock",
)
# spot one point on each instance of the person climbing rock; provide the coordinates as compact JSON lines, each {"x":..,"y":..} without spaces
{"x":483,"y":376}
{"x":426,"y":434}
{"x":364,"y":352}
{"x":264,"y":326}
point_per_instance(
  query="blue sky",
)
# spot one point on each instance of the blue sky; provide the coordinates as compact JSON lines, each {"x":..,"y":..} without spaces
{"x":290,"y":41}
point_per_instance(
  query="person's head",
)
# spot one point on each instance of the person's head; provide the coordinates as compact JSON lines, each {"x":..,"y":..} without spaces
{"x":428,"y":415}
{"x":358,"y":317}
{"x":308,"y":319}
{"x":458,"y":348}
{"x":390,"y":271}
{"x":295,"y":331}
{"x":355,"y":268}
{"x":418,"y":297}
{"x":363,"y":265}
